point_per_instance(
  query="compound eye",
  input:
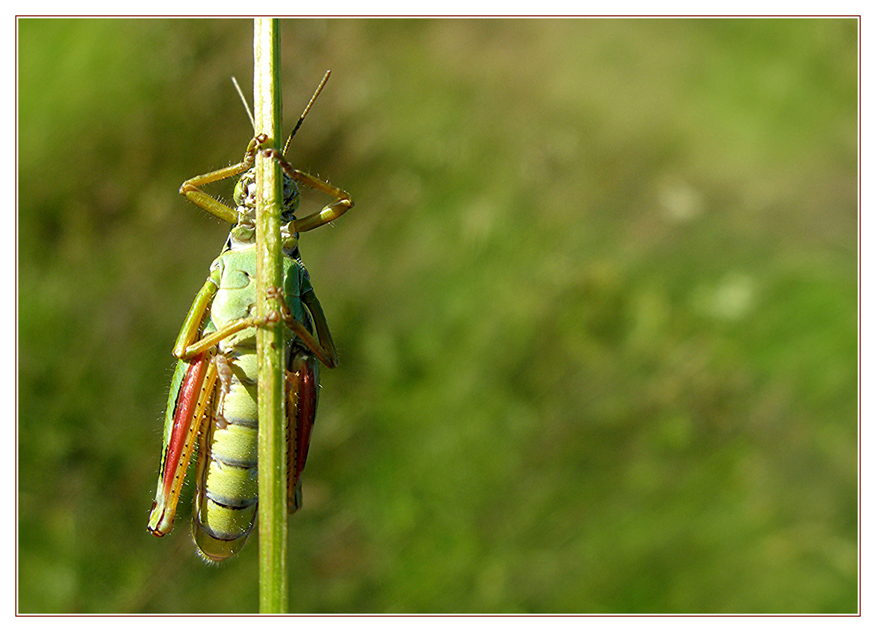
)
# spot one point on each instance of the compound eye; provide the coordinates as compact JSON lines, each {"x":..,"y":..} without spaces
{"x":244,"y":190}
{"x":290,"y":194}
{"x":239,"y":192}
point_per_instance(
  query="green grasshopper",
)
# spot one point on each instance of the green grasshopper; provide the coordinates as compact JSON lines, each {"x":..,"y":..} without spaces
{"x":213,"y":393}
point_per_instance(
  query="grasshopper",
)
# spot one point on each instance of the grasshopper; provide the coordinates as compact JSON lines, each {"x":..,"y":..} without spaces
{"x":213,"y":393}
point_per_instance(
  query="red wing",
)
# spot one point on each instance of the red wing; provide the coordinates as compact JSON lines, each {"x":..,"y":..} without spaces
{"x":302,"y":382}
{"x":188,"y":399}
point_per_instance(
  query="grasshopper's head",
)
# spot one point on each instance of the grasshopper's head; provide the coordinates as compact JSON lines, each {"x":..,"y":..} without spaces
{"x":243,"y":232}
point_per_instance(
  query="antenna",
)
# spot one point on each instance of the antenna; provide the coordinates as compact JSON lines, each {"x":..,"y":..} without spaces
{"x":245,"y":104}
{"x":307,"y":109}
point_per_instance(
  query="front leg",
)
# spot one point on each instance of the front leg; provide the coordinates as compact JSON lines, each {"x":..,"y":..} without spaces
{"x":192,"y":191}
{"x":329,"y":212}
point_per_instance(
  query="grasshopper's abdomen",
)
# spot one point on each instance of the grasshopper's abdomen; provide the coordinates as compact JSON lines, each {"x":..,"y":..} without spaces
{"x":227,"y":498}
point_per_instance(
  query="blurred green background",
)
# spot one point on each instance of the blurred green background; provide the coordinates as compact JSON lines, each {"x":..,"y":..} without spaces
{"x":596,"y":308}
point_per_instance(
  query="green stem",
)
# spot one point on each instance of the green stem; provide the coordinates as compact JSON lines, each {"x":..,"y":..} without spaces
{"x":273,"y":516}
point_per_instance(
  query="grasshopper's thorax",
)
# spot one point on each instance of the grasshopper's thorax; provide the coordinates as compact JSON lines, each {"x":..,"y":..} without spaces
{"x":243,"y":233}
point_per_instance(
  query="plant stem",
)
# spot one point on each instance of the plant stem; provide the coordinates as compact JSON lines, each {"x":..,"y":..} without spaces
{"x":273,"y":450}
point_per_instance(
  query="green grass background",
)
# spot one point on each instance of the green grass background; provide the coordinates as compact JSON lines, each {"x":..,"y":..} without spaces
{"x":596,"y":309}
